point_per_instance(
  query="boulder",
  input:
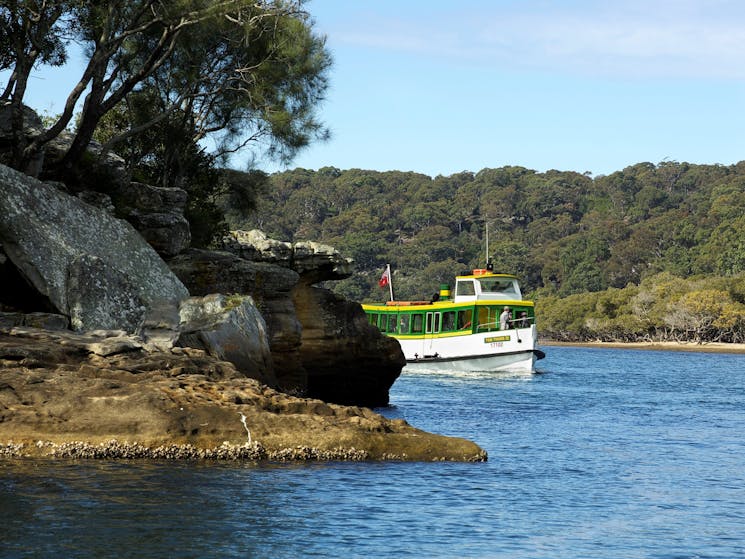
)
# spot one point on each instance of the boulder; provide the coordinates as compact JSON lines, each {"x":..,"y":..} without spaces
{"x":205,"y":272}
{"x":56,"y":240}
{"x":99,"y":296}
{"x":102,"y":180}
{"x":97,"y":171}
{"x":32,"y":127}
{"x":230,"y":329}
{"x":348,"y":361}
{"x":32,"y":124}
{"x":157,"y":213}
{"x":316,"y":262}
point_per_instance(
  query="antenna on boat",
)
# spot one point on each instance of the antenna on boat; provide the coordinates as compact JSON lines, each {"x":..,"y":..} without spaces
{"x":487,"y":259}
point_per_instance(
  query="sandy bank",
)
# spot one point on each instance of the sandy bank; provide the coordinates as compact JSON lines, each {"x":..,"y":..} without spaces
{"x":661,"y":346}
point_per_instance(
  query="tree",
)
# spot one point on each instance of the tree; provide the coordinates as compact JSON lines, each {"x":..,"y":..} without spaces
{"x":218,"y":67}
{"x":724,"y":252}
{"x":32,"y":33}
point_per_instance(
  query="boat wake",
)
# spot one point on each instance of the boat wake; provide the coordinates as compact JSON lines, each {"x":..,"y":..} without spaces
{"x":475,"y":375}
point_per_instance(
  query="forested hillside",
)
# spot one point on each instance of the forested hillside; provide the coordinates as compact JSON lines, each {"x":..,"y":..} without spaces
{"x":563,"y":233}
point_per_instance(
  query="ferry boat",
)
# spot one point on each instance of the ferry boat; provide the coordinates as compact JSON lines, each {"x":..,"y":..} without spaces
{"x":485,"y":326}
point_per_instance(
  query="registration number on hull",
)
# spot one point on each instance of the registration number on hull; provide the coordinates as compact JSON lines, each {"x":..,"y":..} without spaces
{"x":494,"y":339}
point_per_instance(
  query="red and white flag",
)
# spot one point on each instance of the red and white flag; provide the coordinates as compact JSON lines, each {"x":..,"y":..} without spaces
{"x":385,"y":279}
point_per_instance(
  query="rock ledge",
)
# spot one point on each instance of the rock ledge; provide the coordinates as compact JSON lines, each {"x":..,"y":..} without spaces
{"x":61,"y":398}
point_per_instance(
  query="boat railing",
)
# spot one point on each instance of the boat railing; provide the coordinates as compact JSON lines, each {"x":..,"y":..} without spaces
{"x":524,"y":322}
{"x":512,"y":324}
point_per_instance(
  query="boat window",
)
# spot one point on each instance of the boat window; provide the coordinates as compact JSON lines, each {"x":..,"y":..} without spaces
{"x":403,"y":324}
{"x":433,"y":322}
{"x":465,"y":288}
{"x":392,"y":322}
{"x":372,"y":318}
{"x":448,"y":321}
{"x":417,"y":323}
{"x":488,"y":319}
{"x":465,"y":319}
{"x":505,"y":287}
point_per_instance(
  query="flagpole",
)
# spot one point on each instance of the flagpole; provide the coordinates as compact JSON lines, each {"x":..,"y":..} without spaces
{"x":390,"y":280}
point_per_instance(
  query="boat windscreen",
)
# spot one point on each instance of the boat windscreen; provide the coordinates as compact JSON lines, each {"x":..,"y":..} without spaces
{"x":505,"y":288}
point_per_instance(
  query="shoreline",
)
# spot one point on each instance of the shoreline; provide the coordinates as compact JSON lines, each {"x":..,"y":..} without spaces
{"x":710,"y":347}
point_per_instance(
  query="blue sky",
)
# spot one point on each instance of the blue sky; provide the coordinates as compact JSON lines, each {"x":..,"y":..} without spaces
{"x":441,"y":87}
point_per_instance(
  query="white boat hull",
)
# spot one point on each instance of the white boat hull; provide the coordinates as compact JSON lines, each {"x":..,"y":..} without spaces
{"x":507,"y":350}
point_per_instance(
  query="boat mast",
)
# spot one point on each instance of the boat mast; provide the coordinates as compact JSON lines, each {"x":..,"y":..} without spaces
{"x":489,"y":265}
{"x":486,"y":259}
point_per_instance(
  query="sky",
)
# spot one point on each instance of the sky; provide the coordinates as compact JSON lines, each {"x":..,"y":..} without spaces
{"x":439,"y":87}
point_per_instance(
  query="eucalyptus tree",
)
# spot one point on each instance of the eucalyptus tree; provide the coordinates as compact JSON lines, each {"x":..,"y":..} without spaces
{"x":239,"y":70}
{"x":32,"y":33}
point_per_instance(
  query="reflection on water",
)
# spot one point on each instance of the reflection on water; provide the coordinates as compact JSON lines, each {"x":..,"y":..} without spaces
{"x":608,"y":454}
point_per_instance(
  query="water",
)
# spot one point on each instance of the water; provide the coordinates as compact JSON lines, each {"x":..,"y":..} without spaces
{"x":606,"y":454}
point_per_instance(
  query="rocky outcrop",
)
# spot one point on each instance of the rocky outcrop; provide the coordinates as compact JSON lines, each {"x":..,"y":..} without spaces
{"x":96,"y":270}
{"x":157,"y":213}
{"x":93,"y":268}
{"x":314,"y":262}
{"x":102,"y":179}
{"x":63,"y":394}
{"x":325,"y":345}
{"x":346,"y":360}
{"x":31,"y":127}
{"x":147,"y":362}
{"x":206,"y":272}
{"x":230,"y":329}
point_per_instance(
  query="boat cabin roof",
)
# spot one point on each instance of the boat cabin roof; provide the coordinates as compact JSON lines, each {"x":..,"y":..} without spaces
{"x":480,"y":285}
{"x":483,"y":284}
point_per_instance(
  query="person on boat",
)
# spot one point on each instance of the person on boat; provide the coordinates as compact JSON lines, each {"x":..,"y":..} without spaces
{"x":523,"y":321}
{"x":504,"y":319}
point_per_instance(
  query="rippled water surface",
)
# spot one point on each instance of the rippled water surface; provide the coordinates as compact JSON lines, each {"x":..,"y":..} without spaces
{"x":605,"y":454}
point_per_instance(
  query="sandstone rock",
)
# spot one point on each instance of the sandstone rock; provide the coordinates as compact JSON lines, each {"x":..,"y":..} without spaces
{"x":168,"y":233}
{"x":32,"y":127}
{"x":157,"y":213}
{"x":205,"y":272}
{"x":103,"y":177}
{"x":348,"y":361}
{"x":52,"y":237}
{"x":255,"y":246}
{"x":230,"y":329}
{"x":55,"y":396}
{"x":160,"y":327}
{"x":99,"y":296}
{"x":97,"y":199}
{"x":99,"y":171}
{"x":345,"y":360}
{"x":321,"y":344}
{"x":9,"y":320}
{"x":316,"y":262}
{"x":46,"y":321}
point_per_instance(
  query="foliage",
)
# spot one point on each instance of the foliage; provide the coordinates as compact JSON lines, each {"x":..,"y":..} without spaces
{"x":664,"y":308}
{"x":234,"y":70}
{"x":608,"y":258}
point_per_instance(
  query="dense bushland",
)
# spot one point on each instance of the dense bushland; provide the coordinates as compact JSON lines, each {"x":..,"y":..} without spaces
{"x":649,"y":252}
